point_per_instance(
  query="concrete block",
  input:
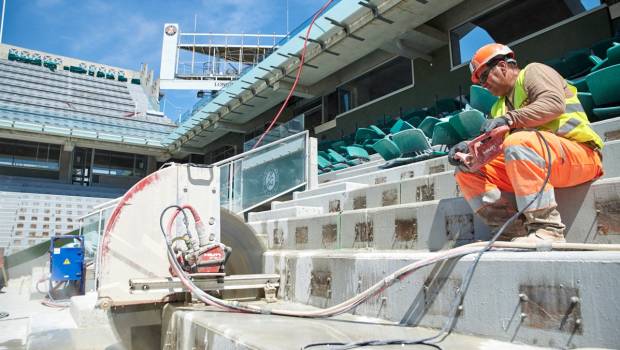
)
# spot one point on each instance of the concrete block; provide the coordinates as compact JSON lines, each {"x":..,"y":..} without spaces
{"x":491,"y":307}
{"x":329,"y":188}
{"x":84,"y":312}
{"x":287,"y":212}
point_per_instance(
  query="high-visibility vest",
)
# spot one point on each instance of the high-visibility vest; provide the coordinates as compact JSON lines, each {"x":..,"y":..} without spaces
{"x":573,"y":124}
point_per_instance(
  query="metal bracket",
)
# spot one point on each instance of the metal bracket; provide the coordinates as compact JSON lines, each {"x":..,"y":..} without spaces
{"x":375,"y":12}
{"x":346,"y":28}
{"x":270,"y":293}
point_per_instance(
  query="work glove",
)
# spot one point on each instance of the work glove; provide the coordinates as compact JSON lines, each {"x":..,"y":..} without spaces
{"x":491,"y":124}
{"x":459,"y":147}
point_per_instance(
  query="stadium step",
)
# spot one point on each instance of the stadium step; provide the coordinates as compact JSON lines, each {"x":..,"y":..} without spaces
{"x":329,"y":188}
{"x":590,"y":212}
{"x":549,"y":314}
{"x":211,"y":329}
{"x":293,"y":211}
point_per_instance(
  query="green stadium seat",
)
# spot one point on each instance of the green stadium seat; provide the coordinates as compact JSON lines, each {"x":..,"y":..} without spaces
{"x":588,"y":104}
{"x":467,"y":124}
{"x":400,"y":125}
{"x":357,"y":152}
{"x":135,"y":81}
{"x":444,"y":133}
{"x":411,"y":142}
{"x":427,"y":126}
{"x":481,"y":99}
{"x":579,"y":83}
{"x":415,"y":117}
{"x":100,"y":74}
{"x":599,"y":49}
{"x":613,"y":58}
{"x":76,"y":69}
{"x":387,"y":149}
{"x":362,"y":135}
{"x":604,"y":85}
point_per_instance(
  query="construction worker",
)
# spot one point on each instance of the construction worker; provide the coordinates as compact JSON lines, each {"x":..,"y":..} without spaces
{"x":535,"y":97}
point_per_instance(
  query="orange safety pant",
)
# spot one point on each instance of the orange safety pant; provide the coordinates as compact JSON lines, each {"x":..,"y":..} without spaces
{"x":522,"y":170}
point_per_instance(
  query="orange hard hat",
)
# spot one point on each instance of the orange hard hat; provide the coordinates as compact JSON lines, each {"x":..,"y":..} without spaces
{"x":484,"y":55}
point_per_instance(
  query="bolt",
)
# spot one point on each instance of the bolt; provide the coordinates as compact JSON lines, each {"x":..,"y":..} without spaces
{"x":212,"y":237}
{"x":145,"y":287}
{"x":460,"y":308}
{"x":523,"y":297}
{"x":574,"y":300}
{"x":523,"y":315}
{"x":213,"y":190}
{"x":578,"y":322}
{"x":185,"y":189}
{"x":211,"y":220}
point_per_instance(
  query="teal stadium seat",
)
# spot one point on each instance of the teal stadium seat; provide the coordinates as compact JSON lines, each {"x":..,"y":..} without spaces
{"x":467,"y":124}
{"x":613,"y":58}
{"x":599,"y":49}
{"x":400,"y":125}
{"x":427,"y":126}
{"x":411,"y":142}
{"x":481,"y":99}
{"x":588,"y":105}
{"x":444,"y":133}
{"x":605,"y":88}
{"x":357,"y":152}
{"x":387,"y":149}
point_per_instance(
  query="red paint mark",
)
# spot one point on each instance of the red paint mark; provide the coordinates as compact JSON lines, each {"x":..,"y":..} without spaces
{"x":135,"y":189}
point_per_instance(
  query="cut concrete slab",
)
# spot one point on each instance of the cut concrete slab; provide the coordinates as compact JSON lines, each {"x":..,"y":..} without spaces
{"x":205,"y":328}
{"x":570,"y":300}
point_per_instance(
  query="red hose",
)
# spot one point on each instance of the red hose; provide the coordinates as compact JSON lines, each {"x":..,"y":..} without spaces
{"x":301,"y":65}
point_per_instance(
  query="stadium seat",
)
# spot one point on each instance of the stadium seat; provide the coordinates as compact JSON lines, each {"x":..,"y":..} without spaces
{"x":357,"y":152}
{"x":411,"y":142}
{"x":467,"y":124}
{"x":387,"y":149}
{"x":481,"y":99}
{"x":415,"y":117}
{"x":599,"y":49}
{"x":365,"y":135}
{"x":427,"y":126}
{"x":604,"y":85}
{"x":400,"y":125}
{"x":444,"y":133}
{"x":613,"y":57}
{"x":588,"y":104}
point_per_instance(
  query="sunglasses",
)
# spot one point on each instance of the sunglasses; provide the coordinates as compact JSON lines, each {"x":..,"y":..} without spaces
{"x":485,"y":75}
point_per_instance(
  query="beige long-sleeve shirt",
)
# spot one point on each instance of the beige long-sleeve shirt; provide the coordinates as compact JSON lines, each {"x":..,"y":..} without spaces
{"x":546,"y":90}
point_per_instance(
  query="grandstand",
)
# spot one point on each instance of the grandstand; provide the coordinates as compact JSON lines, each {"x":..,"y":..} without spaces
{"x":385,"y":90}
{"x":73,"y":134}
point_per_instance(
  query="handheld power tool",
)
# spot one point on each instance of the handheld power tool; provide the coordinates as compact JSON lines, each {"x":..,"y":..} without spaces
{"x":483,"y":149}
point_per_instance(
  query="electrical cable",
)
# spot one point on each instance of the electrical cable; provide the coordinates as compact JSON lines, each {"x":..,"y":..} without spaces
{"x":302,"y":59}
{"x":460,"y":293}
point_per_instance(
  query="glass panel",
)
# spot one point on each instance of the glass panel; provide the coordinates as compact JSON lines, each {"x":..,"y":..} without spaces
{"x":29,"y":154}
{"x":266,"y":173}
{"x":224,"y":185}
{"x":292,"y":127}
{"x":492,"y":26}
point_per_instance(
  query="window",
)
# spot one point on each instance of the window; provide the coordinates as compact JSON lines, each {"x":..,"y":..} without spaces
{"x":24,"y":154}
{"x":510,"y":22}
{"x":383,"y":80}
{"x":118,"y":164}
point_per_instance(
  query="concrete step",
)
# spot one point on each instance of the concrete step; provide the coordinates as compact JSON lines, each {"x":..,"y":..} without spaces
{"x":291,"y":211}
{"x":421,"y":188}
{"x":590,"y":212}
{"x":608,"y":130}
{"x":492,"y":305}
{"x":431,"y":225}
{"x":206,"y":328}
{"x":328,"y":188}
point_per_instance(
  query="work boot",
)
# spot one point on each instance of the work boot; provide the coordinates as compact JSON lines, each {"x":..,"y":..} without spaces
{"x":543,"y":225}
{"x":495,"y":215}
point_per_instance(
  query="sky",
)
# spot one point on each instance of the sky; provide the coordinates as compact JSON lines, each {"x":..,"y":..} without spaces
{"x":127,"y":33}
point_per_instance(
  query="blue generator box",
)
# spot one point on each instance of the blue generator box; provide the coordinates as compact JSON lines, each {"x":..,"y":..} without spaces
{"x":66,"y":263}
